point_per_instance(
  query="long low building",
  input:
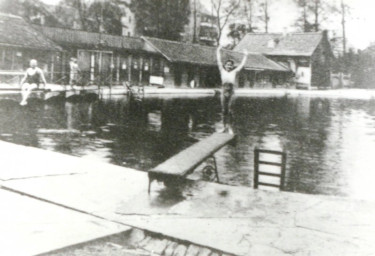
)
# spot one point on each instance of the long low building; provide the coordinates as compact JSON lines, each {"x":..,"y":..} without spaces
{"x":20,"y":42}
{"x":109,"y":59}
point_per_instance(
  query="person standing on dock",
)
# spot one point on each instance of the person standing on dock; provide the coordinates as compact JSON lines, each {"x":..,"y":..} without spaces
{"x":31,"y":80}
{"x":74,"y":69}
{"x":228,"y":75}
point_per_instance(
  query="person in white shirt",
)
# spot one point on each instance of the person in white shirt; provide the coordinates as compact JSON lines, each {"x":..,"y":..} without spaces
{"x":74,"y":70}
{"x":228,"y":75}
{"x":31,"y":80}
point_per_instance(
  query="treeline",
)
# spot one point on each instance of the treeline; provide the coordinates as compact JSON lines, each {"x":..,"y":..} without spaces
{"x":157,"y":18}
{"x":311,"y":16}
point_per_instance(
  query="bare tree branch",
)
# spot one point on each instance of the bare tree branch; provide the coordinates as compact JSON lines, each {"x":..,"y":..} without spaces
{"x":223,"y":14}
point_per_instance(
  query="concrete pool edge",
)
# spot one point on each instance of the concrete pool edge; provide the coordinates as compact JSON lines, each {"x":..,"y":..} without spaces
{"x":214,"y":217}
{"x":241,"y":92}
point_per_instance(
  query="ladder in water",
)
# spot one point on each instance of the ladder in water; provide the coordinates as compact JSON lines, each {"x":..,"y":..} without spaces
{"x":269,"y":177}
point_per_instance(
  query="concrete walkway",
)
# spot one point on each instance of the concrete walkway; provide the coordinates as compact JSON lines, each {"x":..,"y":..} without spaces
{"x":30,"y":226}
{"x":234,"y":220}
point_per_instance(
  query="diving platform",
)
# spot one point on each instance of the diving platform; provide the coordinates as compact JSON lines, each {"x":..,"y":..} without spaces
{"x":185,"y":162}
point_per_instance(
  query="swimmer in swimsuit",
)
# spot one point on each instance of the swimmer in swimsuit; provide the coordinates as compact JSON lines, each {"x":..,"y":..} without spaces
{"x":228,"y":79}
{"x":31,"y":80}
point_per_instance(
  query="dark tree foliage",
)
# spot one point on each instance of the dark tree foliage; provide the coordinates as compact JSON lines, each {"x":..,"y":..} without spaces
{"x":161,"y":18}
{"x":363,"y":67}
{"x":248,"y":20}
{"x":94,"y":16}
{"x":104,"y":17}
{"x":359,"y":64}
{"x":236,"y":32}
{"x":313,"y":13}
{"x":66,"y":12}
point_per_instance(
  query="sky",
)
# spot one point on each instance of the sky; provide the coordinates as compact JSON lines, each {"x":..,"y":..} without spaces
{"x":360,"y":31}
{"x":360,"y":24}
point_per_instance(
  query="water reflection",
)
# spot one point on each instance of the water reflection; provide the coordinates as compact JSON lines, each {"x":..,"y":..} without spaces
{"x":329,"y":142}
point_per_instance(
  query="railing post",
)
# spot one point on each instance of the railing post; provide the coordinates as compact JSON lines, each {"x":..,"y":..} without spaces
{"x":283,"y":167}
{"x":256,"y":167}
{"x":215,"y":166}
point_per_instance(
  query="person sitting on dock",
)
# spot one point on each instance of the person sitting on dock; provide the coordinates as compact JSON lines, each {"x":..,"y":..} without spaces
{"x":228,"y":79}
{"x":31,"y":80}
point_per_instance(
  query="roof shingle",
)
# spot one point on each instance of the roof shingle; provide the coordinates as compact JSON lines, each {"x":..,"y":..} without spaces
{"x":16,"y":32}
{"x":294,"y":44}
{"x":69,"y":37}
{"x":206,"y":55}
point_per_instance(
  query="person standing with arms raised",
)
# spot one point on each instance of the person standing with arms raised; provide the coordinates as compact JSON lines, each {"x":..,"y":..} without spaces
{"x":228,"y":75}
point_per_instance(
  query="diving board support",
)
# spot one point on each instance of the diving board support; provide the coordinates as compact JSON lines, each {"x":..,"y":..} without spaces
{"x":175,"y":169}
{"x":207,"y":169}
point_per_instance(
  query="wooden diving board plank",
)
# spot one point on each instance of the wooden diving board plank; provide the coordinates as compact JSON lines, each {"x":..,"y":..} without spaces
{"x":187,"y":160}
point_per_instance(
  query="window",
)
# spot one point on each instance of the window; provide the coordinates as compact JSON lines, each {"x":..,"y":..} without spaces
{"x":6,"y":60}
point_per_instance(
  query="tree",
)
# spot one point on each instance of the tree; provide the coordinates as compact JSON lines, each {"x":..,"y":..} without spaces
{"x":81,"y":6}
{"x":265,"y":17}
{"x":302,"y":20}
{"x":248,"y":7}
{"x":314,"y":13}
{"x":246,"y":20}
{"x":223,"y":10}
{"x":195,"y":22}
{"x":343,"y":10}
{"x":104,"y":16}
{"x":94,"y":16}
{"x":236,"y":32}
{"x":161,"y":18}
{"x":343,"y":23}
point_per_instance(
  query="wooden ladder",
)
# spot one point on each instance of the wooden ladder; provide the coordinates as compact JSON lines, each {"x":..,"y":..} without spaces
{"x":280,"y":175}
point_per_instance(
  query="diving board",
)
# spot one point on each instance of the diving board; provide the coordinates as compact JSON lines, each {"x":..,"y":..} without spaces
{"x":184,"y":163}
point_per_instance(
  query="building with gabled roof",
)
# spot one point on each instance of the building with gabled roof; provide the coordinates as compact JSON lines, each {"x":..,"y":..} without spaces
{"x":189,"y":59}
{"x":308,"y":55}
{"x":15,"y":32}
{"x":206,"y":55}
{"x":20,"y":42}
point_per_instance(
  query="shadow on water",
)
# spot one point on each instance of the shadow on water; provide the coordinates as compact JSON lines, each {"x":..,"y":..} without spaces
{"x":328,"y":141}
